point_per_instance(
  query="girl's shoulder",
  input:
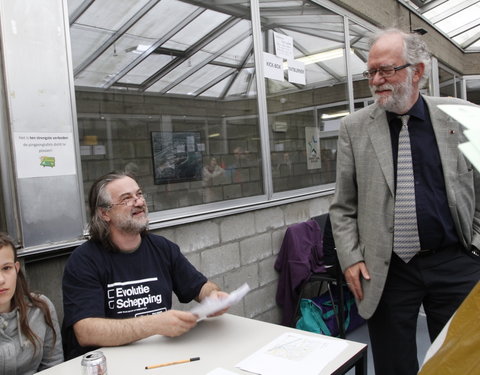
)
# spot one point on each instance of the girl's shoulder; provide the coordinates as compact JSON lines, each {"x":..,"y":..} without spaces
{"x":42,"y":298}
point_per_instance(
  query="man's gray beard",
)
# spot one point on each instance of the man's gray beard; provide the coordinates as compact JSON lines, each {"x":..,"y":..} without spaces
{"x":398,"y":102}
{"x":133,"y":227}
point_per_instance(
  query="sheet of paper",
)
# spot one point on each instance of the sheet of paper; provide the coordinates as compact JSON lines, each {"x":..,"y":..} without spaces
{"x":44,"y":154}
{"x":472,"y":153}
{"x":212,"y":305}
{"x":283,"y":45}
{"x":273,"y":67}
{"x":293,"y":353}
{"x":467,"y":115}
{"x":221,"y":371}
{"x":296,"y":72}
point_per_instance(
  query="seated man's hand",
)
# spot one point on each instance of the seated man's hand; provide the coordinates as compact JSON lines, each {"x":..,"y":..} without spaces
{"x":174,"y":323}
{"x":217,"y":294}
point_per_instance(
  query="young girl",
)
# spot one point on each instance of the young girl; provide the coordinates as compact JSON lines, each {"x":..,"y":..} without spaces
{"x":29,"y":332}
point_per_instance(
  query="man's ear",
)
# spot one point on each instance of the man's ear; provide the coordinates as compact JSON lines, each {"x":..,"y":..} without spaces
{"x":104,"y":214}
{"x":418,"y":72}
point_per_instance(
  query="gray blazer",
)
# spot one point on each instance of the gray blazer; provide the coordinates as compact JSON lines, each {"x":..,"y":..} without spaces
{"x":362,"y":208}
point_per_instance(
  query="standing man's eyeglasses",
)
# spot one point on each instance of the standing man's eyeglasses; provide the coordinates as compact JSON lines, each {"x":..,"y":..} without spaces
{"x":384,"y":71}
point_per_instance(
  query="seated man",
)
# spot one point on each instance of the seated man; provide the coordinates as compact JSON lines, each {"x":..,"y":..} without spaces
{"x":117,"y":287}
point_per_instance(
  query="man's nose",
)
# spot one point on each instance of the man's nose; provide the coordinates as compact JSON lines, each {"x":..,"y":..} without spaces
{"x":377,"y":79}
{"x":139,"y":201}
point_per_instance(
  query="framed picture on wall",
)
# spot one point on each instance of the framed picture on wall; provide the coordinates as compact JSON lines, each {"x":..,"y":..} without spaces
{"x":177,"y":157}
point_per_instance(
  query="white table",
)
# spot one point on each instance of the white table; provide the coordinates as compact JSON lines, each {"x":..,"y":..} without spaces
{"x":219,"y":342}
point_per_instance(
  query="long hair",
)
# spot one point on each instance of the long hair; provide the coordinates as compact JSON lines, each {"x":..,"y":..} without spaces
{"x":414,"y":48}
{"x":99,"y":199}
{"x":23,"y":299}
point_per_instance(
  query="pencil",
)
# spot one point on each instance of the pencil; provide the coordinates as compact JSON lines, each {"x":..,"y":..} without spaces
{"x":172,"y":363}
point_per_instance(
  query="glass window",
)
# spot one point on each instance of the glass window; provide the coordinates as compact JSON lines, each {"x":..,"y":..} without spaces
{"x":173,"y":102}
{"x":309,"y":39}
{"x":473,"y":89}
{"x":358,"y":63}
{"x":448,"y":82}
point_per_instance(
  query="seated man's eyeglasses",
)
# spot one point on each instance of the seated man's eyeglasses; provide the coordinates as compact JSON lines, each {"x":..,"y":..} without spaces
{"x":384,"y":71}
{"x":130,"y":200}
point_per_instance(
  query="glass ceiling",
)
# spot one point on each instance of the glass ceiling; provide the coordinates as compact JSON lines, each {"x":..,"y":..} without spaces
{"x":199,"y":48}
{"x":459,"y":20}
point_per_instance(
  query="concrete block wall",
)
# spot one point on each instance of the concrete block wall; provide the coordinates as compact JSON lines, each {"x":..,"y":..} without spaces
{"x":230,"y":251}
{"x":243,"y":248}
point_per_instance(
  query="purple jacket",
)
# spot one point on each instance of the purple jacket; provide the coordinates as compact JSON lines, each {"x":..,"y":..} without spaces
{"x":300,"y":255}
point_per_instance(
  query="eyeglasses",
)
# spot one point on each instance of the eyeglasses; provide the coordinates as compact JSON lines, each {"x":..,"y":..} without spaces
{"x":130,"y":200}
{"x":384,"y":71}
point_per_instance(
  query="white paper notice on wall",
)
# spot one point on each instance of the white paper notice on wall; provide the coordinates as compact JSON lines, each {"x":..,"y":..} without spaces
{"x":273,"y":66}
{"x":44,"y":154}
{"x":283,"y":45}
{"x":296,"y":72}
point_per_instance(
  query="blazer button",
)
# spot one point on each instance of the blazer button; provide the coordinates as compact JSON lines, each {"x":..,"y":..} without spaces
{"x":387,"y":262}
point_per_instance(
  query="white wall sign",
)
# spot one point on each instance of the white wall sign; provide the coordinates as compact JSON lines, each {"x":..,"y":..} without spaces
{"x":312,"y":144}
{"x":273,"y":66}
{"x":283,"y":45}
{"x":296,"y":72}
{"x":44,"y":154}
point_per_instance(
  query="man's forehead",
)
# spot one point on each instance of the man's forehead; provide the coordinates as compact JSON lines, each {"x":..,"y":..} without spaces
{"x":391,"y":44}
{"x":385,"y":56}
{"x":122,"y":186}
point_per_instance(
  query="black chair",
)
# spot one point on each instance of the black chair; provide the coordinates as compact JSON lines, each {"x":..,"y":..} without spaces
{"x":332,"y":277}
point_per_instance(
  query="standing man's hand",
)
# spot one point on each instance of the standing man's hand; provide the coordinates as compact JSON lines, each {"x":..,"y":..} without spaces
{"x":353,"y":275}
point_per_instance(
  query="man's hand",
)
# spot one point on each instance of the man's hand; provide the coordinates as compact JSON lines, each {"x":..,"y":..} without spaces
{"x":174,"y":323}
{"x":218,"y":294}
{"x":211,"y":291}
{"x":115,"y":332}
{"x":352,"y":276}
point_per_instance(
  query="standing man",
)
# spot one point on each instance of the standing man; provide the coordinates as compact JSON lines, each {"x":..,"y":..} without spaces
{"x":410,"y":236}
{"x":117,"y":287}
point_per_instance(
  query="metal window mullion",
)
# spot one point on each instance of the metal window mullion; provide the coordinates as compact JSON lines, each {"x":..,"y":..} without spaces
{"x":261,"y":97}
{"x":8,"y":189}
{"x":434,"y":80}
{"x":346,"y":32}
{"x":463,"y":88}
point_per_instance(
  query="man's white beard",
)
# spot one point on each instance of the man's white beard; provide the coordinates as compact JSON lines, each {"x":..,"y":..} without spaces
{"x":132,"y":225}
{"x":399,"y":100}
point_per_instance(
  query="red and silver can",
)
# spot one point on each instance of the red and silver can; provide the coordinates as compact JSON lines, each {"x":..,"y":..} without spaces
{"x":94,"y":363}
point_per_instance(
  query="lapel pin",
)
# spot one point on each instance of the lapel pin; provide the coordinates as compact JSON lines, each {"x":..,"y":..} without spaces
{"x":452,"y":131}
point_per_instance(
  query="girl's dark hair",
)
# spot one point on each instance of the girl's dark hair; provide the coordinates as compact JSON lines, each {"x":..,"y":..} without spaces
{"x":23,"y":299}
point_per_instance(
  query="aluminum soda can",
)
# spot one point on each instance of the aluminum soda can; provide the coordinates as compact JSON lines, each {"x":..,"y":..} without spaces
{"x":94,"y":363}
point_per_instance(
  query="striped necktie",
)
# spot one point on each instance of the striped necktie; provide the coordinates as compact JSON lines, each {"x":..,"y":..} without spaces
{"x":406,"y":242}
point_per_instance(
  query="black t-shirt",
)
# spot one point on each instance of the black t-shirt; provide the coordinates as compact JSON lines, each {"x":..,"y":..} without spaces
{"x":105,"y":284}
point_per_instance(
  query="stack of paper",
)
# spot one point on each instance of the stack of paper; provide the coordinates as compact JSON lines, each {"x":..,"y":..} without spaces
{"x":468,"y":116}
{"x":293,"y":353}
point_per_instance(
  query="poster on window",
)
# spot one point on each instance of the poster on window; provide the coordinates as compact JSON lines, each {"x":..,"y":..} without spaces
{"x":44,"y":154}
{"x":176,"y":157}
{"x":312,"y":140}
